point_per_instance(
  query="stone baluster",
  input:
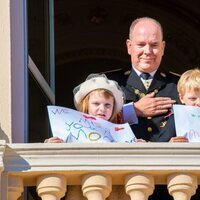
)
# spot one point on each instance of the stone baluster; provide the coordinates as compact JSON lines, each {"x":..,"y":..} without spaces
{"x":51,"y":187}
{"x":139,"y":186}
{"x":96,"y":186}
{"x":182,"y":185}
{"x":15,"y":187}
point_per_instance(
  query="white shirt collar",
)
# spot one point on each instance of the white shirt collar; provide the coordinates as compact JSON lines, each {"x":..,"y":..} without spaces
{"x":138,"y":72}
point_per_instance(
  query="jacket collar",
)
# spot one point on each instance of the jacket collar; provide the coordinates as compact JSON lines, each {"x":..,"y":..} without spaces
{"x":135,"y":83}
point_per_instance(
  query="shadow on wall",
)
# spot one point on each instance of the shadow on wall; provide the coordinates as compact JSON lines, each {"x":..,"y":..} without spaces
{"x":3,"y":136}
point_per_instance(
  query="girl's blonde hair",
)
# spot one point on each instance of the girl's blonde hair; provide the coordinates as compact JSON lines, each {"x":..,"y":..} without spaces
{"x":98,"y":82}
{"x":189,"y":80}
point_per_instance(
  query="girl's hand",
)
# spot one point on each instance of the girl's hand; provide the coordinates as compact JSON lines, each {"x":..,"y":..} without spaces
{"x":140,"y":140}
{"x":54,"y":140}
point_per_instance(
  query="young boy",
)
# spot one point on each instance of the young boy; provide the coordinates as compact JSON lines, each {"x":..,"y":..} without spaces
{"x":189,"y":94}
{"x":189,"y":87}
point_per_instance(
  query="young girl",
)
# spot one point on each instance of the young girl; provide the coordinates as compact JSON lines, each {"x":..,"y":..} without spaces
{"x":97,"y":96}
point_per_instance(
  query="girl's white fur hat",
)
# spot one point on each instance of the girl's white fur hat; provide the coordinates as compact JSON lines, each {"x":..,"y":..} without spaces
{"x":99,"y":81}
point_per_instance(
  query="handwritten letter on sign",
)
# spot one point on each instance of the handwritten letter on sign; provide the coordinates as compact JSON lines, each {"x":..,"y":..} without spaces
{"x":74,"y":126}
{"x":187,"y":122}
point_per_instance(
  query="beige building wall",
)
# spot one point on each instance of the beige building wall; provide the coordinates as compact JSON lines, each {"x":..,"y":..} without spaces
{"x":13,"y":62}
{"x":5,"y":72}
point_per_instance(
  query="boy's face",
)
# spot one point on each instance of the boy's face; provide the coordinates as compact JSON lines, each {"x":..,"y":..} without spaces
{"x":190,"y":98}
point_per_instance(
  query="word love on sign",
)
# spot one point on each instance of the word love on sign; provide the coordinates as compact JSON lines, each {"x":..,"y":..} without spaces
{"x":78,"y":127}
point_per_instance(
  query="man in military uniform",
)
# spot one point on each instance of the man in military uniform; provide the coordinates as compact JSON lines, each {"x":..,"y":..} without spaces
{"x":152,"y":105}
{"x":152,"y":92}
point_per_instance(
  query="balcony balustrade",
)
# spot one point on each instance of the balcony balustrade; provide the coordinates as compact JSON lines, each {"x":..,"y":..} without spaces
{"x":96,"y":171}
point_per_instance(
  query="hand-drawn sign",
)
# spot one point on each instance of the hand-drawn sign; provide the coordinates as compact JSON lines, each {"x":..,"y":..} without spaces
{"x":74,"y":126}
{"x":187,"y":122}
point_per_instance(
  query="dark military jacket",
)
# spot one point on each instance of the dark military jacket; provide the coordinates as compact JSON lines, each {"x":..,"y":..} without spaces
{"x":155,"y":129}
{"x":158,"y":128}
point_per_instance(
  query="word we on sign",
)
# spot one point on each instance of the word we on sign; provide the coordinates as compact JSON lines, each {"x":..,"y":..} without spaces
{"x":78,"y":127}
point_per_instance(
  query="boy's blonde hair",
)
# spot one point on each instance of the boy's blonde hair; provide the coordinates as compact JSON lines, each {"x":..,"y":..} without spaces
{"x":189,"y":80}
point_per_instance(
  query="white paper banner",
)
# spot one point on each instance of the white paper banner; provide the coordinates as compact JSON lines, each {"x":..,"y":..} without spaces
{"x":187,"y":122}
{"x":74,"y":126}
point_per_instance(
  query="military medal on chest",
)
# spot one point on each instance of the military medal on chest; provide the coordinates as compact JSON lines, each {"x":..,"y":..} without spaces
{"x":138,"y":93}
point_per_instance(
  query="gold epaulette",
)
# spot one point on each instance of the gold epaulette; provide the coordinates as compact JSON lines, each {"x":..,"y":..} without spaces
{"x":109,"y":71}
{"x":174,"y":73}
{"x":127,"y":72}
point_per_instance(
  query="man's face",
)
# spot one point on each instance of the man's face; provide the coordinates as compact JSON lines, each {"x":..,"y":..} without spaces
{"x":146,"y":46}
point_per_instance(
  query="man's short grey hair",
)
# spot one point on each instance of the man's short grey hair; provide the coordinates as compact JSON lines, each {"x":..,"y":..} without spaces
{"x":133,"y":24}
